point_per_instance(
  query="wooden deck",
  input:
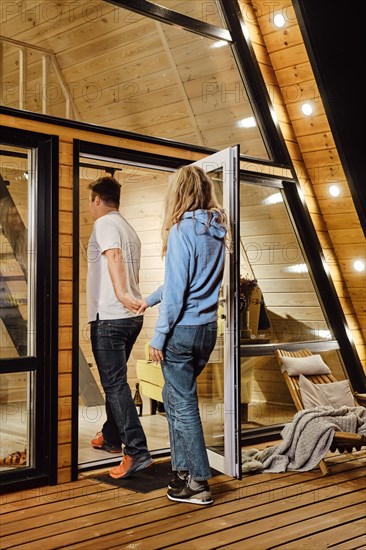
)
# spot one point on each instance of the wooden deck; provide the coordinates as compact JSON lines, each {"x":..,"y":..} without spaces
{"x":262,"y":511}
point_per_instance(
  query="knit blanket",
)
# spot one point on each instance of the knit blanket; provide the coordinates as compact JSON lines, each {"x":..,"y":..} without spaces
{"x":306,"y":440}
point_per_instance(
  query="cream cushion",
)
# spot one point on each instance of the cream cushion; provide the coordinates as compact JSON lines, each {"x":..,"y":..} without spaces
{"x":333,"y":394}
{"x":311,"y":365}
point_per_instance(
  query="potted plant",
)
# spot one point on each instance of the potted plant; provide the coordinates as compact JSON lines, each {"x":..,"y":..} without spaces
{"x":246,"y":288}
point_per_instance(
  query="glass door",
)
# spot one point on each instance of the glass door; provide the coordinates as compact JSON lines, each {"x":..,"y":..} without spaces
{"x":217,"y":386}
{"x":144,"y":185}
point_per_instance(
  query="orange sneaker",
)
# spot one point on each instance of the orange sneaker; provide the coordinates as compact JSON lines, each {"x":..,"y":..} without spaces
{"x":130,"y":465}
{"x":98,"y":443}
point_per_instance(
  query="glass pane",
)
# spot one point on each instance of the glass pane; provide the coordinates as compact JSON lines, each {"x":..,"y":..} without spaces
{"x":17,"y":267}
{"x":285,"y":306}
{"x":16,"y":420}
{"x":142,"y":201}
{"x":140,"y":75}
{"x":207,"y":11}
{"x":265,"y":399}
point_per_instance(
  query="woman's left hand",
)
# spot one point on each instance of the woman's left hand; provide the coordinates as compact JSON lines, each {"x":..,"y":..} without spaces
{"x":156,"y":355}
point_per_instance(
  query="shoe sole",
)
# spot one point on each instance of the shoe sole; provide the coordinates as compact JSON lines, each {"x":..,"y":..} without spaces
{"x":133,"y":470}
{"x":191,"y":500}
{"x":102,"y":448}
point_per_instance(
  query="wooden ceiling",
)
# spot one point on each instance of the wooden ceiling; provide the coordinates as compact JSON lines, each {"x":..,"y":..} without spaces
{"x":125,"y":71}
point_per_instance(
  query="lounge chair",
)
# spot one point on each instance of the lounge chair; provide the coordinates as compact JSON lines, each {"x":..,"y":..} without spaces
{"x":343,"y":441}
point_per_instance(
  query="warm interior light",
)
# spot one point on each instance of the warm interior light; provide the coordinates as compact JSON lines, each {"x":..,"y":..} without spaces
{"x":334,"y":190}
{"x":323,"y":334}
{"x":306,"y":109}
{"x":219,"y":44}
{"x":246,"y":33}
{"x":248,"y":122}
{"x":297,"y":268}
{"x":275,"y":198}
{"x":274,"y":116}
{"x":279,"y":20}
{"x":359,"y":265}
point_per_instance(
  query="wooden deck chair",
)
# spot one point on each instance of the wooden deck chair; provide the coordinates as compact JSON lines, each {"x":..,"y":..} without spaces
{"x":343,"y":441}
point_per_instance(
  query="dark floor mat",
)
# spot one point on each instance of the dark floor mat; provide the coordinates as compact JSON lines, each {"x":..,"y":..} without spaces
{"x":154,"y":477}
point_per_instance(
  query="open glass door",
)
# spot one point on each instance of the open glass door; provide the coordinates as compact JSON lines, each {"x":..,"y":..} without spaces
{"x":144,"y":189}
{"x":217,"y":386}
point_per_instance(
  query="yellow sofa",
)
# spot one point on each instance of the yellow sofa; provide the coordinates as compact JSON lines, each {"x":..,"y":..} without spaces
{"x":209,"y":383}
{"x":151,"y":379}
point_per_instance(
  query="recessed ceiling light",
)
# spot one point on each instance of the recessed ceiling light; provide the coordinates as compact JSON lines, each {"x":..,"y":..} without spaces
{"x":359,"y":265}
{"x":248,"y":122}
{"x":306,"y":109}
{"x":334,"y":190}
{"x":279,"y":20}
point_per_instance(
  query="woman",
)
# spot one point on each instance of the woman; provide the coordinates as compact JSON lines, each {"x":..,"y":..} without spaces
{"x":194,"y":234}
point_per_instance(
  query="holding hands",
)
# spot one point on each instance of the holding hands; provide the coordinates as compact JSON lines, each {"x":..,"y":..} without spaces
{"x":142,"y":307}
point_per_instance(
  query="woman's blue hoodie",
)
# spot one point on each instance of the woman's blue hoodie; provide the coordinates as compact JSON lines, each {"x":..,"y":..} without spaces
{"x":194,"y":266}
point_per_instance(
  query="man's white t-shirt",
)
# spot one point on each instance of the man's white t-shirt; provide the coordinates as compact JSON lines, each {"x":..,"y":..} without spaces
{"x":111,"y":231}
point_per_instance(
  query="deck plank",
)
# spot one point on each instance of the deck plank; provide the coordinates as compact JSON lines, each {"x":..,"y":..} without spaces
{"x":344,"y":537}
{"x":359,"y":542}
{"x":261,"y":511}
{"x":276,"y":538}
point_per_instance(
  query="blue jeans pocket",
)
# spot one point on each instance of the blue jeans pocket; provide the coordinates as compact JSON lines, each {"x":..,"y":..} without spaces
{"x":182,"y":339}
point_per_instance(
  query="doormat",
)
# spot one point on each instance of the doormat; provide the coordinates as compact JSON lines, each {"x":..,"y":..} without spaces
{"x":154,"y":477}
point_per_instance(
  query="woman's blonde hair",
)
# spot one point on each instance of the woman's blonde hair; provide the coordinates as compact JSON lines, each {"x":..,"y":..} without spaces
{"x":191,"y":189}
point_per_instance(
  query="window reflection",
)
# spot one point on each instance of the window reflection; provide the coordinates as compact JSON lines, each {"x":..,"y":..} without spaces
{"x":290,"y":310}
{"x":265,"y":398}
{"x":16,"y":271}
{"x":16,"y":420}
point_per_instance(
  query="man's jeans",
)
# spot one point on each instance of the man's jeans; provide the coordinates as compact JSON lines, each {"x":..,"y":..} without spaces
{"x":186,"y":353}
{"x":112,"y":342}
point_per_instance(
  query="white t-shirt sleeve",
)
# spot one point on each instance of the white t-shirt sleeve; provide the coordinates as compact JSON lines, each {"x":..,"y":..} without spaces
{"x":107,"y":235}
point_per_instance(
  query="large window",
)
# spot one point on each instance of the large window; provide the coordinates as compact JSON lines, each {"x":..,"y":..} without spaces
{"x":27,"y":232}
{"x":281,"y":302}
{"x":285,"y":307}
{"x":103,"y":64}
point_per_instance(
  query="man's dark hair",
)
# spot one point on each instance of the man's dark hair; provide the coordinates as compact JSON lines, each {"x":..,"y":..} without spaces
{"x":108,"y":189}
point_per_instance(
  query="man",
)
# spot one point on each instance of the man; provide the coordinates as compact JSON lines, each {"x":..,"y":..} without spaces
{"x":113,"y":292}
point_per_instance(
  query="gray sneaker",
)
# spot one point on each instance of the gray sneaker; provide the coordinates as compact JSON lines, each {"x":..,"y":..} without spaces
{"x":178,"y":481}
{"x":200,"y":495}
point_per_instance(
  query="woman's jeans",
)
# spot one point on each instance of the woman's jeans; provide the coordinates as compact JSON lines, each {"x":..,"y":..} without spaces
{"x":186,"y":353}
{"x":112,"y":342}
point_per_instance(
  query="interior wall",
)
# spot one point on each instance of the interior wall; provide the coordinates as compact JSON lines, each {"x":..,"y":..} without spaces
{"x":142,"y":198}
